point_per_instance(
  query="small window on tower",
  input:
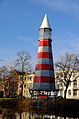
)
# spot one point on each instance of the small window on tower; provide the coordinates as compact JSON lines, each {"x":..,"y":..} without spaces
{"x":47,"y":33}
{"x":41,"y":34}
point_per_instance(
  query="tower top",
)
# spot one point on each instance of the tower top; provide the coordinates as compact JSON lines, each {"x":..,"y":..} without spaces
{"x":45,"y":23}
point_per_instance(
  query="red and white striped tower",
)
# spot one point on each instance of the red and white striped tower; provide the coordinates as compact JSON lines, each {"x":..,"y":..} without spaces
{"x":44,"y":72}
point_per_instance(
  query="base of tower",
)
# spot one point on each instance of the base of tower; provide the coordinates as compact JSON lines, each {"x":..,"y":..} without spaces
{"x":43,"y":87}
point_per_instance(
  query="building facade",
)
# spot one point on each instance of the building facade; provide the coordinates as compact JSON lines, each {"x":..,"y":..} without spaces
{"x":27,"y":83}
{"x":72,"y":91}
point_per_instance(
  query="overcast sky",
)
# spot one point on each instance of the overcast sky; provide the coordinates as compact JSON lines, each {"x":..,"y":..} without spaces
{"x":20,"y":21}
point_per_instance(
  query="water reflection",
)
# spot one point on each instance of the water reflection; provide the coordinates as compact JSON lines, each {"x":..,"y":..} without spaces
{"x":12,"y":114}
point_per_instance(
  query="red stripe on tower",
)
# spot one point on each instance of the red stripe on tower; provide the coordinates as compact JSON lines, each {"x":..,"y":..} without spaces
{"x":44,"y":79}
{"x":44,"y":55}
{"x":45,"y":43}
{"x":44,"y":71}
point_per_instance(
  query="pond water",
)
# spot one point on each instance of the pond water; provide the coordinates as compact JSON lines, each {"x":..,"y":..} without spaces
{"x":34,"y":114}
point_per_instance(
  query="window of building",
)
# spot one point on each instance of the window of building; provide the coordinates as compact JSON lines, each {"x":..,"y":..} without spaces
{"x":69,"y":92}
{"x":75,"y":83}
{"x":21,"y":77}
{"x":24,"y":85}
{"x":29,"y":78}
{"x":74,"y":92}
{"x":21,"y":86}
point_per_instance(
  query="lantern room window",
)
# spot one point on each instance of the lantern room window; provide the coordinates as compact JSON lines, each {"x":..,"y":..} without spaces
{"x":45,"y":34}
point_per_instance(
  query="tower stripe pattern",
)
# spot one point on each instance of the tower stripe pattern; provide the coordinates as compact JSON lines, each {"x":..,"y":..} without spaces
{"x":44,"y":71}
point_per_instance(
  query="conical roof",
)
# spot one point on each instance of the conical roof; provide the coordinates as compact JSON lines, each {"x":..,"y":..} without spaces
{"x":45,"y":23}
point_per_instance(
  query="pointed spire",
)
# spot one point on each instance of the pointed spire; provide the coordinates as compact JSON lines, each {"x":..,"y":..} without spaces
{"x":45,"y":23}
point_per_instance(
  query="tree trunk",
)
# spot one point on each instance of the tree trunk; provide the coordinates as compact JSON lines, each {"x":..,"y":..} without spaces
{"x":67,"y":85}
{"x":65,"y":92}
{"x":22,"y":89}
{"x":22,"y":86}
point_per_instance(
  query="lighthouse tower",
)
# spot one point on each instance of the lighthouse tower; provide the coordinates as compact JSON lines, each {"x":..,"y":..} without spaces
{"x":44,"y":72}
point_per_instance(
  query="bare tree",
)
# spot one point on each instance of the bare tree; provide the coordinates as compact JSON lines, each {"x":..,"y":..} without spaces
{"x":67,"y":70}
{"x":8,"y":75}
{"x":23,"y":65}
{"x":4,"y":72}
{"x":3,"y":75}
{"x":23,"y":62}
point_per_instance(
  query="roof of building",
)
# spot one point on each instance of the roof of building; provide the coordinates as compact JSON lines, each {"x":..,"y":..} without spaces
{"x":45,"y":23}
